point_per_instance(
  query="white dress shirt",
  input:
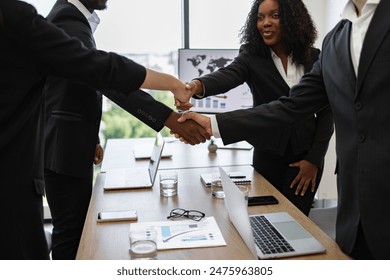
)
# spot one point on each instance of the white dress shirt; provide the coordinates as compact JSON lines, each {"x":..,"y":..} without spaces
{"x":359,"y":27}
{"x":294,"y":71}
{"x":93,"y":18}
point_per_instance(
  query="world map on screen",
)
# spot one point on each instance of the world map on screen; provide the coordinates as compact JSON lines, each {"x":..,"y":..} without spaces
{"x":204,"y":63}
{"x":194,"y":63}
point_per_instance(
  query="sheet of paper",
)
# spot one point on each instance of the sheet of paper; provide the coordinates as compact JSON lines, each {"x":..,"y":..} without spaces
{"x":184,"y":233}
{"x":242,"y":145}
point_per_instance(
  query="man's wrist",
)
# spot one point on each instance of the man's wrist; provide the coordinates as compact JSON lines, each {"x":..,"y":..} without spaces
{"x":172,"y":119}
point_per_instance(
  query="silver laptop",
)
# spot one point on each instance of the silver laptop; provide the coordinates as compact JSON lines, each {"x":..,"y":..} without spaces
{"x":273,"y":235}
{"x":144,"y":152}
{"x":136,"y":177}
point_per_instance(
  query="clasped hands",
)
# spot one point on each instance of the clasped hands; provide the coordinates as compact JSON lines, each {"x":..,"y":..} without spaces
{"x":190,"y":127}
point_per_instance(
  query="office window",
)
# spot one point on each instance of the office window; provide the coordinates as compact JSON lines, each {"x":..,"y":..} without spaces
{"x":43,"y":7}
{"x":150,"y":33}
{"x":216,"y":24}
{"x":147,"y":26}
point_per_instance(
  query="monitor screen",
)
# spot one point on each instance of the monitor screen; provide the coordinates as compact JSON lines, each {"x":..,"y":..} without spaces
{"x":194,"y":63}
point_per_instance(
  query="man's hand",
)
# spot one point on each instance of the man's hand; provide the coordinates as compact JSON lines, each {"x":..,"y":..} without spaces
{"x":190,"y":132}
{"x":306,"y":177}
{"x":98,"y":158}
{"x":203,"y":120}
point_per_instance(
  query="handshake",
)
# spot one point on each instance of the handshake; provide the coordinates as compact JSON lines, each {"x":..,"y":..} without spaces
{"x":190,"y":127}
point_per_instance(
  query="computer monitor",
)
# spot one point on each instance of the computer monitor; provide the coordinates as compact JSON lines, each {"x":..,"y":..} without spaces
{"x":194,"y":63}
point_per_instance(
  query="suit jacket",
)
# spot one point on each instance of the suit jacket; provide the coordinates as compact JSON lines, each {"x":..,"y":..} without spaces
{"x":30,"y":49}
{"x":361,"y":114}
{"x":310,"y":137}
{"x":73,"y":110}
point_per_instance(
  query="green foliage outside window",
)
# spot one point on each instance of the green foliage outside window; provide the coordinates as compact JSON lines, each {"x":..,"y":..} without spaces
{"x":120,"y":124}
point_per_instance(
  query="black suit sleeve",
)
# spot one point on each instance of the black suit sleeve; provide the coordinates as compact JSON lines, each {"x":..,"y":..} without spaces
{"x":56,"y":53}
{"x":324,"y":131}
{"x":307,"y":98}
{"x":143,"y":106}
{"x":225,"y":78}
{"x":140,"y":104}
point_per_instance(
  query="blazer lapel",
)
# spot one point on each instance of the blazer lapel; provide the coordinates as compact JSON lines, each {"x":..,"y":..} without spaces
{"x":378,"y":29}
{"x":342,"y":52}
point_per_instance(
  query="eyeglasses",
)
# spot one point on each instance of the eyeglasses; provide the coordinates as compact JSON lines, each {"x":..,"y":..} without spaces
{"x":190,"y":214}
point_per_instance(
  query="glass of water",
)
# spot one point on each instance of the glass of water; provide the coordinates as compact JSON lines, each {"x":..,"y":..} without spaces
{"x":216,"y":185}
{"x":143,"y":244}
{"x":168,"y":183}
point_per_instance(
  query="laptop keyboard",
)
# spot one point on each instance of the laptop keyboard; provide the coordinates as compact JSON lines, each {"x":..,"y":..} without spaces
{"x":267,"y":238}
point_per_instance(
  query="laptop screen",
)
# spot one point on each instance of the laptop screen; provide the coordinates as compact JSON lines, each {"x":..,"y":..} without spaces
{"x":156,"y":156}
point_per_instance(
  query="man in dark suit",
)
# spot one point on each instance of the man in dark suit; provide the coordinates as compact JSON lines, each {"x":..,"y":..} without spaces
{"x":31,"y":49}
{"x":73,"y":114}
{"x":352,"y":76}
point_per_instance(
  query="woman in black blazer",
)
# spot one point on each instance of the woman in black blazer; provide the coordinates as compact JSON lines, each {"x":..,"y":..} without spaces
{"x":277,"y":50}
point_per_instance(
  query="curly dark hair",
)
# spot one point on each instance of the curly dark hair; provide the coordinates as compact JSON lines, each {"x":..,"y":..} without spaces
{"x":298,"y":30}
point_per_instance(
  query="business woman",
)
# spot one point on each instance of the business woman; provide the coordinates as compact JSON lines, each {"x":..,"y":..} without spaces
{"x":356,"y":84}
{"x":277,"y":50}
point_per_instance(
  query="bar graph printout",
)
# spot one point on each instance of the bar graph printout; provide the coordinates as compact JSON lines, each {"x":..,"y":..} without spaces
{"x":184,"y":233}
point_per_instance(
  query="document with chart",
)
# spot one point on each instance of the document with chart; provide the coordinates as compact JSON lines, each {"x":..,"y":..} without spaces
{"x":184,"y":233}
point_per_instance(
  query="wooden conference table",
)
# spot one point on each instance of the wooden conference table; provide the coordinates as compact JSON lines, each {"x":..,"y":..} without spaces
{"x":110,"y":240}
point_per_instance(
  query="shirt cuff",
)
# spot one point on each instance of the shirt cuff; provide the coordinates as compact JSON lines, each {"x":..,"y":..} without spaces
{"x":201,"y":95}
{"x":214,"y":126}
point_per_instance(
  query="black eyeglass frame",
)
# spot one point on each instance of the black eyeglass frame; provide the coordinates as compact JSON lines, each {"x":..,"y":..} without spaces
{"x":194,"y":215}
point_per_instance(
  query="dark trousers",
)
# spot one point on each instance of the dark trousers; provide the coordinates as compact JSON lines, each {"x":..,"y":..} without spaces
{"x":68,"y":198}
{"x":21,"y":231}
{"x":277,"y":171}
{"x":361,"y":250}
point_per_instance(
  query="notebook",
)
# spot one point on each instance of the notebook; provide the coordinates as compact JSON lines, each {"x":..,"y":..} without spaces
{"x":142,"y":152}
{"x":280,"y":225}
{"x":242,"y":145}
{"x":136,"y":177}
{"x":238,"y":179}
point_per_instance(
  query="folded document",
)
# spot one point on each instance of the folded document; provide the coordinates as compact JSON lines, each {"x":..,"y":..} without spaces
{"x":184,"y":233}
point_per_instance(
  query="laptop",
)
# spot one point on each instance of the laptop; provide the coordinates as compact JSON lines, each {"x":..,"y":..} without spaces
{"x":295,"y":240}
{"x":144,"y":152}
{"x":136,"y":177}
{"x":242,"y":145}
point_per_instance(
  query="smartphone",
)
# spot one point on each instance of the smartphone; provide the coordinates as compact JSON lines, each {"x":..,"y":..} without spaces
{"x":262,"y":200}
{"x":116,"y":216}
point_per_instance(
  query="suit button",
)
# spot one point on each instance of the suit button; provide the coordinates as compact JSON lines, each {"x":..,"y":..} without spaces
{"x":154,"y":120}
{"x":358,"y":106}
{"x":361,"y":138}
